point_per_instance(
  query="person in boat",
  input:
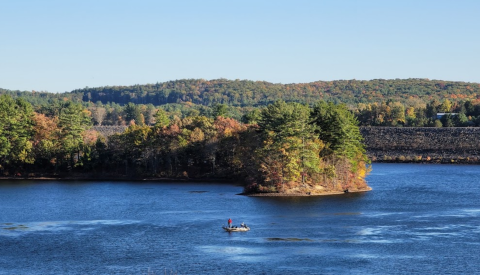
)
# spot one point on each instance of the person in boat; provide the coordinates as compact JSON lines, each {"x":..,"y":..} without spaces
{"x":229,"y":223}
{"x":243,"y":225}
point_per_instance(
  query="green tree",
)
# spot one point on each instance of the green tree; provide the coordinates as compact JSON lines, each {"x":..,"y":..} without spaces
{"x":16,"y":132}
{"x":73,"y":121}
{"x":432,"y":108}
{"x":398,"y":114}
{"x":288,"y":142}
{"x":161,"y":119}
{"x":344,"y":151}
{"x":219,"y":110}
{"x":460,"y":120}
{"x":133,"y":113}
{"x":338,"y":128}
{"x":447,"y":120}
{"x":252,"y":117}
{"x":469,"y":108}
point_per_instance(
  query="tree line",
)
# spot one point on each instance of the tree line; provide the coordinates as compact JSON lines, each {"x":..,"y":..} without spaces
{"x":433,"y":114}
{"x":260,"y":93}
{"x":284,"y":147}
{"x":379,"y":102}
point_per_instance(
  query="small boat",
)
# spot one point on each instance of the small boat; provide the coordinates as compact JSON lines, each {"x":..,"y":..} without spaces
{"x":236,"y":229}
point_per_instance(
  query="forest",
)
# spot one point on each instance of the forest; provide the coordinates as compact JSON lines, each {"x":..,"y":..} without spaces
{"x":378,"y":102}
{"x":301,"y":138}
{"x":285,"y":147}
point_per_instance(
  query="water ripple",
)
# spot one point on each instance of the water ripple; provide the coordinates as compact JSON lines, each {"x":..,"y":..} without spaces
{"x":17,"y":229}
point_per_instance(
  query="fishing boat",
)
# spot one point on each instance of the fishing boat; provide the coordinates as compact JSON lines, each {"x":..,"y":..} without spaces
{"x":243,"y":228}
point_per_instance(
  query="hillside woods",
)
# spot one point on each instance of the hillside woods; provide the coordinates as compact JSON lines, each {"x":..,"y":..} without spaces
{"x":275,"y":137}
{"x":378,"y":102}
{"x":290,"y":149}
{"x":406,"y":144}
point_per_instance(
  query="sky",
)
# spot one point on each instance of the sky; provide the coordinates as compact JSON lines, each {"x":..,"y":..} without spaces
{"x":59,"y":45}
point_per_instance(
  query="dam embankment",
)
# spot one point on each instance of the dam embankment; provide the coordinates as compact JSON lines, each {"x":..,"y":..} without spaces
{"x":422,"y":144}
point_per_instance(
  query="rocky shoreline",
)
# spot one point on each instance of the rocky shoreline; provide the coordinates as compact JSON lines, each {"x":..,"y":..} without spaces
{"x":332,"y":193}
{"x":288,"y":194}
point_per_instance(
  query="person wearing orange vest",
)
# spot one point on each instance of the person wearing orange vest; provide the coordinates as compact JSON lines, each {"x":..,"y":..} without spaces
{"x":229,"y":223}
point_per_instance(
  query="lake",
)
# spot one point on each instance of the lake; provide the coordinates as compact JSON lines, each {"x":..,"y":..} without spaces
{"x":418,"y":219}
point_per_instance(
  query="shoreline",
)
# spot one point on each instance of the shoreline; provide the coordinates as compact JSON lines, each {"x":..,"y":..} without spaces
{"x":113,"y":178}
{"x":330,"y":193}
{"x":75,"y":178}
{"x":183,"y":180}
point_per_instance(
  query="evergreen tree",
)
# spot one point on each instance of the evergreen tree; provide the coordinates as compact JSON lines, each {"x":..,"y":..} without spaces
{"x":16,"y":133}
{"x":133,"y":113}
{"x":338,"y":128}
{"x":72,"y":122}
{"x":288,"y":142}
{"x":161,"y":119}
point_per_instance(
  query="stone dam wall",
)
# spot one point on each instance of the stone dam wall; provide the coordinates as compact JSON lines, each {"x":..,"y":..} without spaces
{"x":425,"y":145}
{"x":107,"y":131}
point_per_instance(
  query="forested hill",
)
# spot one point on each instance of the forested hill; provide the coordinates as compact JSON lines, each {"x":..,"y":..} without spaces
{"x":41,"y":97}
{"x":257,"y":93}
{"x":260,"y":93}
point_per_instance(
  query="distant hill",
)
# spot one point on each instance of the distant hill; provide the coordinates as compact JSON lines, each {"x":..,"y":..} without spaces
{"x":255,"y":93}
{"x":245,"y":93}
{"x":38,"y":98}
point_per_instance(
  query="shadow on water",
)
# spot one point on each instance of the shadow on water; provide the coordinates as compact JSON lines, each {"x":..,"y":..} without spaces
{"x":312,"y":199}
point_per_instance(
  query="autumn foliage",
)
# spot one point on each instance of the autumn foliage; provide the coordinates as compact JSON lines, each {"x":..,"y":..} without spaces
{"x":292,"y":148}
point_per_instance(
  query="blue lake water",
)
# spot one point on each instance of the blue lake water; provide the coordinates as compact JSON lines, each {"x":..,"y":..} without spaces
{"x":419,"y":219}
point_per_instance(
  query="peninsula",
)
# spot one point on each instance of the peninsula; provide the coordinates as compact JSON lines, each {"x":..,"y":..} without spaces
{"x":284,"y":148}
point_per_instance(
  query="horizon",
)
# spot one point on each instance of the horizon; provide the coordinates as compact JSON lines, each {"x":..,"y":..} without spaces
{"x":55,"y":46}
{"x":140,"y":84}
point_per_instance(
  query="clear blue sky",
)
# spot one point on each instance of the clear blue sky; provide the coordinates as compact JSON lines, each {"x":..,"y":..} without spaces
{"x":59,"y":45}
